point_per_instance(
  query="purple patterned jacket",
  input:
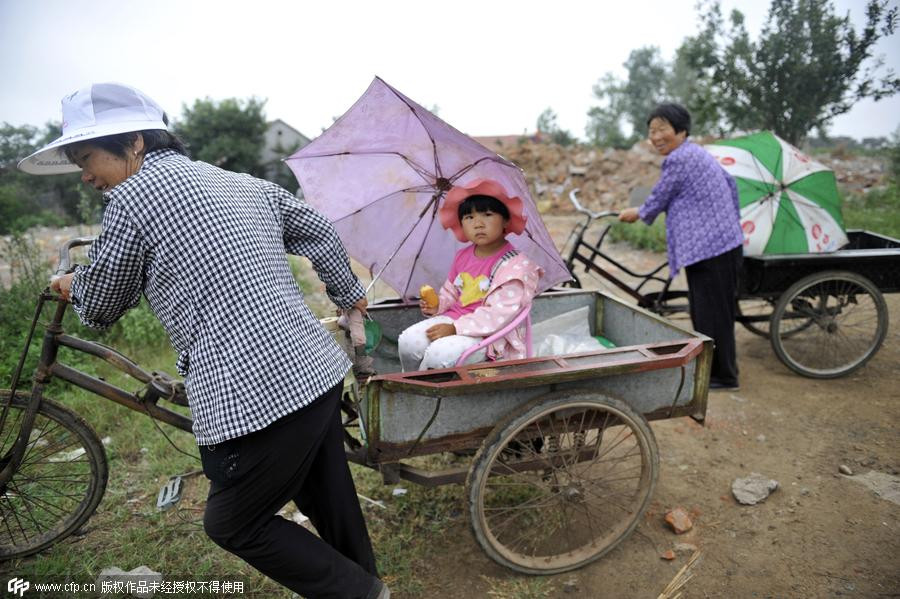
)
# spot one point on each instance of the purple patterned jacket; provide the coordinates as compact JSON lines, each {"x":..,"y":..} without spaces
{"x":703,"y":217}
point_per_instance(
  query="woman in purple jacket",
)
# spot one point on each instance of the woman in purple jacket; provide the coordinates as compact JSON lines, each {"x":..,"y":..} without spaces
{"x":703,"y":232}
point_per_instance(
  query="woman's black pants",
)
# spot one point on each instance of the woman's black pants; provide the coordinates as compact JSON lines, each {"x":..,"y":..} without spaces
{"x":712,"y":293}
{"x":301,"y":458}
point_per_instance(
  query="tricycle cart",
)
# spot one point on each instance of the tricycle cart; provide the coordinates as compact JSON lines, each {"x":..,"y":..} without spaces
{"x":564,"y":462}
{"x":824,"y":314}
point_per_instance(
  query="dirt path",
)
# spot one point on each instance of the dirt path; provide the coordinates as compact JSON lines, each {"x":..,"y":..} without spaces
{"x":821,"y":534}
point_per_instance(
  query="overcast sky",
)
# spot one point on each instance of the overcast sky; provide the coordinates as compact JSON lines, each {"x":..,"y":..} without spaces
{"x":490,"y":66}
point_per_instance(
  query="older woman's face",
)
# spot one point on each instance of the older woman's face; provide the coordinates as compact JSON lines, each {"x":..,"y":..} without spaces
{"x":100,"y":169}
{"x":663,"y":137}
{"x":103,"y":170}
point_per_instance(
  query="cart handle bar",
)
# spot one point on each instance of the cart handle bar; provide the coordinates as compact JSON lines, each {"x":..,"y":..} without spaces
{"x":573,"y":196}
{"x":65,"y":260}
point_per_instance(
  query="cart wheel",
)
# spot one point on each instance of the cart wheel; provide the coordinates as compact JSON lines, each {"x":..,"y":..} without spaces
{"x":755,"y":314}
{"x":844,"y":321}
{"x":560,"y":483}
{"x":59,"y":483}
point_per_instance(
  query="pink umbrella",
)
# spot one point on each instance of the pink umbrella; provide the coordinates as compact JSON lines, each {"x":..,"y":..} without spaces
{"x":379,"y":174}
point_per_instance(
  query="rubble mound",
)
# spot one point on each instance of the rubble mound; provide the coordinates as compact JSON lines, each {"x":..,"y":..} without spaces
{"x":611,"y":179}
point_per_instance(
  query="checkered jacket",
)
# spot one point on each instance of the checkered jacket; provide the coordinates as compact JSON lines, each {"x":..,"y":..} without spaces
{"x":207,"y":248}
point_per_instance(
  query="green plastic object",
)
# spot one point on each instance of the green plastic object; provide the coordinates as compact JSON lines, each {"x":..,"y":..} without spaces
{"x":604,"y":341}
{"x":373,"y":335}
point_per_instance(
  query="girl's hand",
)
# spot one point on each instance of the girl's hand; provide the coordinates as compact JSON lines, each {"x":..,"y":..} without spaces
{"x":426,"y":309}
{"x":629,"y":215}
{"x":440,"y":330}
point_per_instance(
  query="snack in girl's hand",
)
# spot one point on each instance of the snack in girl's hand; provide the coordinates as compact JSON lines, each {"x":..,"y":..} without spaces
{"x":428,"y":295}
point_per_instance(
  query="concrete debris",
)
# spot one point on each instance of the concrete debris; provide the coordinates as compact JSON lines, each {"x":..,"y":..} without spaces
{"x":884,"y":485}
{"x":685,"y":548}
{"x":753,"y":489}
{"x":679,"y":520}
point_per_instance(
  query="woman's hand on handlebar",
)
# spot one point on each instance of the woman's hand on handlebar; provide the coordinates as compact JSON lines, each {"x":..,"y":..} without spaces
{"x":629,"y":215}
{"x":62,"y":285}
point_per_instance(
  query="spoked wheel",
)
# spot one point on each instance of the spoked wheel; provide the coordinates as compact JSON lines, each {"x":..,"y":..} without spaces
{"x":59,"y":483}
{"x":755,"y":314}
{"x":845,"y":317}
{"x":562,"y":482}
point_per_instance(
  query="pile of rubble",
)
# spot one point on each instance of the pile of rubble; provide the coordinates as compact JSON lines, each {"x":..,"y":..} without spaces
{"x":606,"y":177}
{"x":611,"y":179}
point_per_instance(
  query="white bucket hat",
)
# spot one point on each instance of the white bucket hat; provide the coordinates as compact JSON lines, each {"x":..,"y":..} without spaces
{"x":95,"y":111}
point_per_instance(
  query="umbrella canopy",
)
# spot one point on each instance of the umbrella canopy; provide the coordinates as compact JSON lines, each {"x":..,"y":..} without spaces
{"x":380,"y":172}
{"x":789,"y":202}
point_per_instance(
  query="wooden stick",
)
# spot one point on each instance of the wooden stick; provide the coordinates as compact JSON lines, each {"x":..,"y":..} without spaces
{"x":673,"y":589}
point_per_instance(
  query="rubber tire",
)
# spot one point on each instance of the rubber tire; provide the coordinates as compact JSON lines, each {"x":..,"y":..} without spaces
{"x":757,"y":328}
{"x":505,"y":432}
{"x":785,"y":303}
{"x":86,"y":439}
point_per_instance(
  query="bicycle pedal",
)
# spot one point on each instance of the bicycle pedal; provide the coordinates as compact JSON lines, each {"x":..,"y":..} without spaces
{"x":169,"y":494}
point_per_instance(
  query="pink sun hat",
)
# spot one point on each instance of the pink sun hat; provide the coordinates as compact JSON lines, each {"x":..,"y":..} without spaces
{"x":449,"y":211}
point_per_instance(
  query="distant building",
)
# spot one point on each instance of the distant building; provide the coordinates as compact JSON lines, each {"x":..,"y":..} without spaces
{"x":281,"y":140}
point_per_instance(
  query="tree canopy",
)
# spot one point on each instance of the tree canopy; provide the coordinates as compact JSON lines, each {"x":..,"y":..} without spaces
{"x":546,"y":123}
{"x":806,"y":66}
{"x":227,"y":133}
{"x":27,"y":200}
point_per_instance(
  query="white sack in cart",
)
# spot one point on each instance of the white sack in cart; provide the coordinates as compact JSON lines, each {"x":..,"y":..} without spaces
{"x":567,"y":333}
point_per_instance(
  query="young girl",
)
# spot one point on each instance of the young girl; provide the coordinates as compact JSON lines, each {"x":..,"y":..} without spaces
{"x":487,"y":286}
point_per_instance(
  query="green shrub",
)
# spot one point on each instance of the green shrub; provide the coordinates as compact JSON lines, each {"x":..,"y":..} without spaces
{"x":877,"y":211}
{"x":139,"y":328}
{"x":17,"y":304}
{"x":640,"y":236}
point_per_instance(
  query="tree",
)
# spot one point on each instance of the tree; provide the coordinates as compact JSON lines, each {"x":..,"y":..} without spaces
{"x":806,"y":67}
{"x":229,"y":133}
{"x":546,"y":123}
{"x":628,"y":101}
{"x":27,"y":200}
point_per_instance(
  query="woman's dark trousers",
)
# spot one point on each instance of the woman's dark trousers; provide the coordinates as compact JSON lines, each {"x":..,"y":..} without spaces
{"x":712,"y":293}
{"x":301,"y":458}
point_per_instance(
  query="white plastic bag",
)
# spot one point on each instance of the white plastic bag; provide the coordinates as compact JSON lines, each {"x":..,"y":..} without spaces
{"x":567,"y":333}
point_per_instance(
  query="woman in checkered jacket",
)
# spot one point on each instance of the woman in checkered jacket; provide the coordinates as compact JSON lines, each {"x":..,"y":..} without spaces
{"x":206,"y":247}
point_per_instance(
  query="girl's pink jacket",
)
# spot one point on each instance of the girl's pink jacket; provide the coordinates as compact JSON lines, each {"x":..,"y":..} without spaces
{"x":513,"y":286}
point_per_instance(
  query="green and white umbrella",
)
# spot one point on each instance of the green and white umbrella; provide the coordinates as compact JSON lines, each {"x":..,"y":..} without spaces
{"x":789,"y":202}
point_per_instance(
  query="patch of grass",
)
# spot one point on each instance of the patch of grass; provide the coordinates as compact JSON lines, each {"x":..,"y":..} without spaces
{"x":403,"y":535}
{"x":877,"y":211}
{"x":640,"y":236}
{"x":519,"y":588}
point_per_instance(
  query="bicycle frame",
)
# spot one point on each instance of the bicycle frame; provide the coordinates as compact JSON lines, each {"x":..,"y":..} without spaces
{"x":580,"y":251}
{"x":156,"y":385}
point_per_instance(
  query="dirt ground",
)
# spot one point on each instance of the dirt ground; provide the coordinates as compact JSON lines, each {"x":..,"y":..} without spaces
{"x":820,"y":534}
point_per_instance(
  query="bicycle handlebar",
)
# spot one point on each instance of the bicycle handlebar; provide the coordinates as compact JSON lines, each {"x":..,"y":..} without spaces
{"x":65,"y":259}
{"x":573,"y":196}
